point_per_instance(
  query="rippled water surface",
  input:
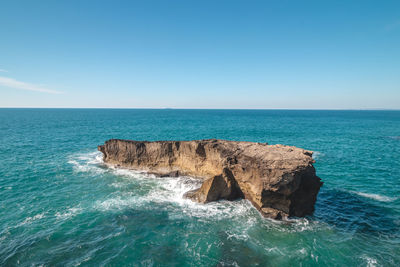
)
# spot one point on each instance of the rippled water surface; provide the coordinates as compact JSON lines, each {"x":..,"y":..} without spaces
{"x":59,"y":205}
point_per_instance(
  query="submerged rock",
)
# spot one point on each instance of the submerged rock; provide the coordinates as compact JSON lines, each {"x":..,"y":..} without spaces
{"x":279,"y":180}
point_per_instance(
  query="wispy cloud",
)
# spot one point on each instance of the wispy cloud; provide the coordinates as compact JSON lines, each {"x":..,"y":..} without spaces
{"x":3,"y":70}
{"x":12,"y":83}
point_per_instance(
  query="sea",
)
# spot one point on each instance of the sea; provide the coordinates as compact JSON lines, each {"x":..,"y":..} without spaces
{"x":61,"y":206}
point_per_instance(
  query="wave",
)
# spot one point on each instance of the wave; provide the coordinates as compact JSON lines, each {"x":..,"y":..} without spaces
{"x":87,"y":162}
{"x":317,"y":155}
{"x":168,"y":191}
{"x":371,"y":262}
{"x":138,"y":189}
{"x":69,"y":213}
{"x":376,"y":196}
{"x":160,"y":190}
{"x":29,"y":220}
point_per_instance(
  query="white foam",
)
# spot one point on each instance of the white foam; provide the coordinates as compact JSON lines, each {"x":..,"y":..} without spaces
{"x":68,"y":214}
{"x":296,"y":225}
{"x":170,"y":190}
{"x":118,"y":185}
{"x":303,"y":251}
{"x":130,"y":173}
{"x":88,"y":162}
{"x":167,"y":191}
{"x":316,"y":155}
{"x":117,"y":203}
{"x":29,"y":220}
{"x":376,"y":197}
{"x":242,"y":236}
{"x":173,"y":190}
{"x":301,"y":225}
{"x":314,"y":257}
{"x":371,"y":262}
{"x":162,"y":190}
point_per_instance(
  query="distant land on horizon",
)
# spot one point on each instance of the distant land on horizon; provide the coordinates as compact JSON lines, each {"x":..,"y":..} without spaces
{"x":156,"y":108}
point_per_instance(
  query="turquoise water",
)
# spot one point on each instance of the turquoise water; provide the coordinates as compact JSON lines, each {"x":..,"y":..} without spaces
{"x":61,"y":206}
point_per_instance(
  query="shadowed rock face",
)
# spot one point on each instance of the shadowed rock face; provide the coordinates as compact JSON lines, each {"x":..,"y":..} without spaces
{"x":279,"y":180}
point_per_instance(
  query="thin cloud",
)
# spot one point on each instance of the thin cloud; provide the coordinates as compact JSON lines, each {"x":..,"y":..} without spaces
{"x":3,"y":70}
{"x":12,"y":83}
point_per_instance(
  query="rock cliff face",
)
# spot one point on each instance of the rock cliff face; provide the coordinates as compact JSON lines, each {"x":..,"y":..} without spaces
{"x":279,"y":180}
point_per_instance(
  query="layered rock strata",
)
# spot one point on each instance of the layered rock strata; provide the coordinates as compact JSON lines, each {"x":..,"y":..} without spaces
{"x":279,"y":180}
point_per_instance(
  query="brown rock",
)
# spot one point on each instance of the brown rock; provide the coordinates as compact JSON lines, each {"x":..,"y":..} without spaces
{"x":279,"y":180}
{"x":223,"y":186}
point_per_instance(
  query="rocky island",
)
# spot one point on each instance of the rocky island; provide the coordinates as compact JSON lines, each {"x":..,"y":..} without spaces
{"x":279,"y":180}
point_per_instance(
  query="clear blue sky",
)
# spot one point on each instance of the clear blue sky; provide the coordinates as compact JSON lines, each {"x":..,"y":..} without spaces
{"x":200,"y":54}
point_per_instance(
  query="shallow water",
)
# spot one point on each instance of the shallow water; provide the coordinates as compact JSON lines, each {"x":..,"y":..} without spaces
{"x":60,"y":205}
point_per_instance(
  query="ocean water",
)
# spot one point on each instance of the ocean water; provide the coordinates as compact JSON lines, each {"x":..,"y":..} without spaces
{"x":59,"y":205}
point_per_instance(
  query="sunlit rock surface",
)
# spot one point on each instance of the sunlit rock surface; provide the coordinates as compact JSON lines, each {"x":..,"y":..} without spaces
{"x":279,"y":180}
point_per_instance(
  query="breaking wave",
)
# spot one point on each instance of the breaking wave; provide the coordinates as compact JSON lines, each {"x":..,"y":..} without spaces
{"x":157,"y":190}
{"x":376,"y":197}
{"x":169,"y":192}
{"x":29,"y":220}
{"x":137,"y":189}
{"x":69,"y":213}
{"x":317,"y":155}
{"x":87,"y":162}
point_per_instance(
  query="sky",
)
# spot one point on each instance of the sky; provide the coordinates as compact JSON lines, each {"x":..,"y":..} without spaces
{"x":200,"y":54}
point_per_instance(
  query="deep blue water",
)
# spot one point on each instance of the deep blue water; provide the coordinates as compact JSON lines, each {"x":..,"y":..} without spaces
{"x":59,"y":205}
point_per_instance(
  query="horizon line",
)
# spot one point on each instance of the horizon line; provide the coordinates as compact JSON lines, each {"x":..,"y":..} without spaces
{"x":167,"y":108}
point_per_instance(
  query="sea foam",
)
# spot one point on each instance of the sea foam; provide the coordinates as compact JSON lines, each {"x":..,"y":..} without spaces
{"x":69,"y":213}
{"x":169,"y":191}
{"x":29,"y":220}
{"x":163,"y":190}
{"x":317,"y":155}
{"x":87,"y":162}
{"x":376,"y":197}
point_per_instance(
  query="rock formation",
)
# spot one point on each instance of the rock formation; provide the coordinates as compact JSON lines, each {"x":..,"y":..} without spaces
{"x":279,"y":180}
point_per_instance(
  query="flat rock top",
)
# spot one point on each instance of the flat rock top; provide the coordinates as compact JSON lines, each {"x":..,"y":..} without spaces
{"x":259,"y":151}
{"x":267,"y":152}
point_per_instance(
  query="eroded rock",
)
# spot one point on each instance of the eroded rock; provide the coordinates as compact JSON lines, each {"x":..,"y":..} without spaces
{"x":279,"y":180}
